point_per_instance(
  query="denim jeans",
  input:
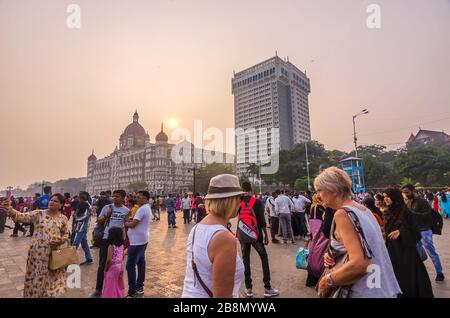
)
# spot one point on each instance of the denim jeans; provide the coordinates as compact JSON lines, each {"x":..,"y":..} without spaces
{"x":136,"y":256}
{"x":193,"y":215}
{"x":261,"y":250}
{"x":155,"y":213}
{"x":102,"y":256}
{"x":286,"y":226}
{"x":171,"y":217}
{"x":274,"y":225}
{"x":186,"y":216}
{"x":81,"y":237}
{"x":427,"y":243}
{"x":299,"y":224}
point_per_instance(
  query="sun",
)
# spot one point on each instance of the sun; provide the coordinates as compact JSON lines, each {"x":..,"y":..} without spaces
{"x":173,"y":123}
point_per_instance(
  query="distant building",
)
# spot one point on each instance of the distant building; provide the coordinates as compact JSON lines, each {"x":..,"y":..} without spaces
{"x":271,"y":94}
{"x":138,"y":160}
{"x":427,"y":136}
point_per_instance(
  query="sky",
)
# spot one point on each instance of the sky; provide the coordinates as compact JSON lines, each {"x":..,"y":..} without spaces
{"x":64,"y":92}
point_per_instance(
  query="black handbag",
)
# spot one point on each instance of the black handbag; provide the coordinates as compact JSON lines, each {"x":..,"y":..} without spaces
{"x":437,"y":223}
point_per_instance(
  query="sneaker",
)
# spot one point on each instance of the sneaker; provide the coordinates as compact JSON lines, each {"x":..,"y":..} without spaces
{"x":170,"y":226}
{"x":440,"y":277}
{"x":272,"y":292}
{"x":87,"y":262}
{"x":174,"y":226}
{"x":29,"y":235}
{"x":140,"y":291}
{"x":248,"y":293}
{"x":14,"y":235}
{"x":96,"y":294}
{"x":293,"y":242}
{"x":131,"y":295}
{"x":284,"y":242}
{"x":275,"y":241}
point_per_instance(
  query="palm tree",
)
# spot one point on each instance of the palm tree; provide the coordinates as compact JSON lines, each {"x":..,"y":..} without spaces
{"x":252,"y":169}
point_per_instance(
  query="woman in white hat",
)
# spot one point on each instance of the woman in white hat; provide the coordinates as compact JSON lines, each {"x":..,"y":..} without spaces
{"x":213,"y":266}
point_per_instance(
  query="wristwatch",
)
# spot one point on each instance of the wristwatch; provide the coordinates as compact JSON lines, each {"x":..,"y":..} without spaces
{"x":329,"y":280}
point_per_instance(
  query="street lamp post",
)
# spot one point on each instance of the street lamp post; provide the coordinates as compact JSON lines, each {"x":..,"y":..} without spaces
{"x":363,"y":112}
{"x":307,"y":165}
{"x":193,"y":190}
{"x":259,"y":175}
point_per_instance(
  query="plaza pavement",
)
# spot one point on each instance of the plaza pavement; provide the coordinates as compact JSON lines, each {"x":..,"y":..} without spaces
{"x":165,"y":257}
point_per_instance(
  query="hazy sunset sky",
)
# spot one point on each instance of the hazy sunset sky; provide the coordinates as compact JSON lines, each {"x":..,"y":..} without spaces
{"x":66,"y":91}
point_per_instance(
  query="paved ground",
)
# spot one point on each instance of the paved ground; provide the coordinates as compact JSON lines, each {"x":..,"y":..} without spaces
{"x":166,"y":265}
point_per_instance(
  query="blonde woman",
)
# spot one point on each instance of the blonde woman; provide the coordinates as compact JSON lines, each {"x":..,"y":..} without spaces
{"x":213,"y":266}
{"x":356,"y":243}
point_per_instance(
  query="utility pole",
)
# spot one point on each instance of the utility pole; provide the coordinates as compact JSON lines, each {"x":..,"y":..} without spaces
{"x":307,"y":165}
{"x":363,"y":112}
{"x":194,"y":180}
{"x":259,"y":174}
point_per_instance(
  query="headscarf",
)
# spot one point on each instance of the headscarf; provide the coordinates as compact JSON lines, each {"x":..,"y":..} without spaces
{"x":315,"y":201}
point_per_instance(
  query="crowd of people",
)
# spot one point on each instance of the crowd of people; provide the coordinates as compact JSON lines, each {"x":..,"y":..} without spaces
{"x":345,"y":233}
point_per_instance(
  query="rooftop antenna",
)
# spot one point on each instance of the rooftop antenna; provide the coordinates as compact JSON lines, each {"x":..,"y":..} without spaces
{"x":162,"y":126}
{"x":276,"y":53}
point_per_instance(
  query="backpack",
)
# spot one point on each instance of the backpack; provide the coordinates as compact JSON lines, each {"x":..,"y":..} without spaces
{"x":247,"y":228}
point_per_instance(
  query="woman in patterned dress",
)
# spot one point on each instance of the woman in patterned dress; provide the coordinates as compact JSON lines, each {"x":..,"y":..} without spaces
{"x":51,"y":231}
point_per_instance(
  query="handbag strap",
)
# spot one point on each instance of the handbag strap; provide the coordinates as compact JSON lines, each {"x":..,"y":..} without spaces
{"x":195,"y":269}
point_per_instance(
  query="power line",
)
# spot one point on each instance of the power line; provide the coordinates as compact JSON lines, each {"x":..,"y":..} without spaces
{"x":400,"y":129}
{"x":407,"y":118}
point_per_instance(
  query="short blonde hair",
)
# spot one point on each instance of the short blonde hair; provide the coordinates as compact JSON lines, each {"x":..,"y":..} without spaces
{"x":334,"y":180}
{"x":223,"y":207}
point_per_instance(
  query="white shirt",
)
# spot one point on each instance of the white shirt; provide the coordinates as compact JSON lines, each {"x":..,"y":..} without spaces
{"x":270,"y":207}
{"x":283,"y":204}
{"x":300,"y":203}
{"x":139,"y":234}
{"x":186,"y":203}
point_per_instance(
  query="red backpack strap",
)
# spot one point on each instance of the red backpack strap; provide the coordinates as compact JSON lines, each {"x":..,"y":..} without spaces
{"x":252,"y":201}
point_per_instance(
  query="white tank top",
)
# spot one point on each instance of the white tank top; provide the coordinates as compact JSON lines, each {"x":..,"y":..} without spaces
{"x":203,"y":236}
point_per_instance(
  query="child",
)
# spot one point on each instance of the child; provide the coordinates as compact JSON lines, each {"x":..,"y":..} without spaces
{"x":114,"y":286}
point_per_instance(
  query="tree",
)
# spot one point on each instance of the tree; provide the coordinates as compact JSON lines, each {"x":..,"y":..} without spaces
{"x":335,"y":156}
{"x":252,"y":170}
{"x":204,"y":174}
{"x":428,"y":164}
{"x":301,"y":184}
{"x":293,"y":162}
{"x":137,"y":186}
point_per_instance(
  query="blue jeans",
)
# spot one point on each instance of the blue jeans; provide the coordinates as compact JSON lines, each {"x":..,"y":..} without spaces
{"x":81,"y":237}
{"x":427,"y":243}
{"x":136,"y":256}
{"x":171,"y":217}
